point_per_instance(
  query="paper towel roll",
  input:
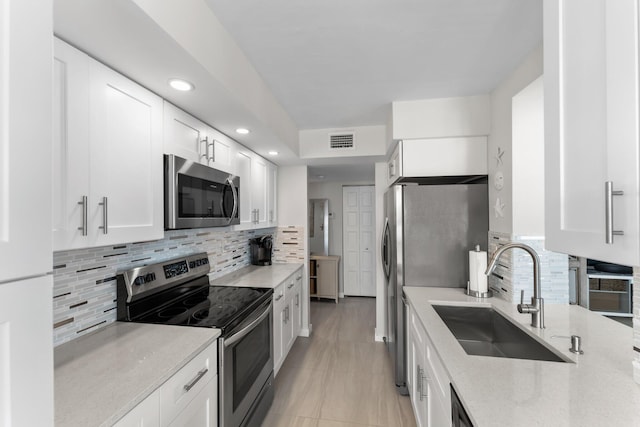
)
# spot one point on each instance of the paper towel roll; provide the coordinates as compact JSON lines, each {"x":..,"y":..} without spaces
{"x":477,"y":266}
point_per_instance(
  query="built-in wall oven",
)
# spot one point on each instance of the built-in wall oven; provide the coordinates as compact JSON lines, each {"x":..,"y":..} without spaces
{"x":198,"y":196}
{"x":177,"y":292}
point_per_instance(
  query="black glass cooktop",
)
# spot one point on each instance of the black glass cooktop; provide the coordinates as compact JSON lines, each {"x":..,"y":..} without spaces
{"x":210,"y":306}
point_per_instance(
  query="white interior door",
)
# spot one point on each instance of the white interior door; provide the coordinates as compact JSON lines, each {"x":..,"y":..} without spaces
{"x":367,"y":241}
{"x":358,"y":231}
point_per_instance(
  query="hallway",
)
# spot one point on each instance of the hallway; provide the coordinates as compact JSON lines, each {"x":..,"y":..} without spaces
{"x":340,"y":377}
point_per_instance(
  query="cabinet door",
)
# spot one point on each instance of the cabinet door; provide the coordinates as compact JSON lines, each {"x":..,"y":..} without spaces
{"x":202,"y":411}
{"x":272,"y":199}
{"x":126,"y":159}
{"x":184,"y":135}
{"x":70,"y":147}
{"x":146,"y":413}
{"x":327,"y":272}
{"x":26,"y":353}
{"x":278,"y":327}
{"x":297,"y":304}
{"x":591,"y":127}
{"x":222,"y":148}
{"x":287,"y":331}
{"x":259,"y":189}
{"x":25,"y":138}
{"x":243,"y":170}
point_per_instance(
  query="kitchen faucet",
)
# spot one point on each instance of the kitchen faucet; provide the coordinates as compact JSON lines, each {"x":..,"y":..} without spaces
{"x":536,"y":308}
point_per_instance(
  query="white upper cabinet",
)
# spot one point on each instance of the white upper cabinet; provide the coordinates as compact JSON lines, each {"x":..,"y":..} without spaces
{"x":189,"y":138}
{"x":415,"y":158}
{"x":107,"y":178}
{"x":184,"y":135}
{"x":591,"y":129}
{"x":272,"y":196}
{"x":259,"y":186}
{"x":258,"y":180}
{"x":25,"y":139}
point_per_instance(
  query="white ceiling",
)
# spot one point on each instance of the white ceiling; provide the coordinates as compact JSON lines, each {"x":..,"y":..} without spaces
{"x":340,"y":63}
{"x":330,"y":63}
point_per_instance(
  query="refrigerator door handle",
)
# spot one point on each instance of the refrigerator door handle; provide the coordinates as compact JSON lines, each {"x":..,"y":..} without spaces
{"x":384,"y":248}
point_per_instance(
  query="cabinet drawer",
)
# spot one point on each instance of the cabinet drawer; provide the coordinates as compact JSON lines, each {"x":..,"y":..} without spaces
{"x":279,"y":296}
{"x":183,"y":387}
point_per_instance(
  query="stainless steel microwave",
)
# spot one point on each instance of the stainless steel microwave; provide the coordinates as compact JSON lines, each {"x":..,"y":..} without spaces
{"x":198,"y":196}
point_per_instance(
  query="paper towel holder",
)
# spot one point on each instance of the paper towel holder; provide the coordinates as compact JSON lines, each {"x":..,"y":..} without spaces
{"x":478,"y":294}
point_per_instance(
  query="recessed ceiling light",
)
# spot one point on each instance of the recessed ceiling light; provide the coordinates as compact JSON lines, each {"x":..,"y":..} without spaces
{"x":181,"y":85}
{"x":273,"y":153}
{"x":242,"y":131}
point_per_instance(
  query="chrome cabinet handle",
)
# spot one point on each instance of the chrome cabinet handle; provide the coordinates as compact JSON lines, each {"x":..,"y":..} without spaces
{"x":299,"y":277}
{"x":287,"y":309}
{"x":271,"y":215}
{"x":423,"y":395}
{"x":419,"y":381}
{"x":609,"y":192}
{"x":85,"y":210}
{"x":105,"y":218}
{"x":297,"y":300}
{"x":290,"y":286}
{"x":279,"y":297}
{"x":198,"y":377}
{"x":213,"y":153}
{"x":235,"y":199}
{"x":204,"y":153}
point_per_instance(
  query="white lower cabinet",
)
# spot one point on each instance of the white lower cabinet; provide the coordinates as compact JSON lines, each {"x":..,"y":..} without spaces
{"x":427,"y":381}
{"x":188,"y":398}
{"x":287,"y":317}
{"x":146,"y":413}
{"x":279,"y":317}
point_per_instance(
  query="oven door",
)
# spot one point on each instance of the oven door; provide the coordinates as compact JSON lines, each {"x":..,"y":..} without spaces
{"x":246,"y":368}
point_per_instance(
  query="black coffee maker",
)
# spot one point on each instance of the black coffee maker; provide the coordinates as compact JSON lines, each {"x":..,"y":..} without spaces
{"x":261,"y":250}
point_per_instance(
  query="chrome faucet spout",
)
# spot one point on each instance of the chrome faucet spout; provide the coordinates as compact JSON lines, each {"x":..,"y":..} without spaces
{"x":536,"y":308}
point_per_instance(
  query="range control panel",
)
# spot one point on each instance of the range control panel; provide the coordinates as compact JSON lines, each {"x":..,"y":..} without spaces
{"x":153,"y":278}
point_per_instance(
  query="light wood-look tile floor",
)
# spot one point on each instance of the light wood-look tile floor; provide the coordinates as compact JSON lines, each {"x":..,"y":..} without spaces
{"x":339,"y":377}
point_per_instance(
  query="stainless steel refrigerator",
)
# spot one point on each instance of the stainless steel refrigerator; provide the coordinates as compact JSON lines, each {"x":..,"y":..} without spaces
{"x":428,"y":233}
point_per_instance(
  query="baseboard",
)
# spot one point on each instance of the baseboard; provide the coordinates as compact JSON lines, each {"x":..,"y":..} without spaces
{"x":304,"y":332}
{"x":340,"y":294}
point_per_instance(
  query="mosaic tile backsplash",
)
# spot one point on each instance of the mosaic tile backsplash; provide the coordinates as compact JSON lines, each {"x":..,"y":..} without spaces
{"x":515,"y":271}
{"x":84,"y":290}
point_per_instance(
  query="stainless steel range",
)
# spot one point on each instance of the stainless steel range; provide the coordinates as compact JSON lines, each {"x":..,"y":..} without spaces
{"x":177,"y":292}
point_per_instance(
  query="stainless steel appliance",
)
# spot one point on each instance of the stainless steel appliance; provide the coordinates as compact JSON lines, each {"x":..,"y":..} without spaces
{"x":459,"y":417}
{"x":197,"y":196}
{"x":428,"y":231}
{"x":177,"y":292}
{"x":261,"y":249}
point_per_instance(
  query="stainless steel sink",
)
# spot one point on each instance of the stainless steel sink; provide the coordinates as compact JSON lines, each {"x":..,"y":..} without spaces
{"x":482,"y":331}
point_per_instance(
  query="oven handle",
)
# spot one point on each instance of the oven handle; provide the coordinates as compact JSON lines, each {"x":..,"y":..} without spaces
{"x":244,"y":331}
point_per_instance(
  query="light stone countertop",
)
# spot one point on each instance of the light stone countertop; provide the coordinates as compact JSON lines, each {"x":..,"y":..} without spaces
{"x":100,"y":377}
{"x":257,"y":276}
{"x":597,"y":390}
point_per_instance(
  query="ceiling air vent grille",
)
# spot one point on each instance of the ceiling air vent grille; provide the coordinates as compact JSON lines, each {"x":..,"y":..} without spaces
{"x":341,"y":141}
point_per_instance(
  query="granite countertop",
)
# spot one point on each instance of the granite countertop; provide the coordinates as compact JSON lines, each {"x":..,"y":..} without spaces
{"x":597,"y":390}
{"x":100,"y":377}
{"x":257,"y":276}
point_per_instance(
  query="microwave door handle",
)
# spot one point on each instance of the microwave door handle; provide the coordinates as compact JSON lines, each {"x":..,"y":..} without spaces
{"x":235,"y":200}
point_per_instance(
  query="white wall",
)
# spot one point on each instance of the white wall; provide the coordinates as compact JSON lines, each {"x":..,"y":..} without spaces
{"x":368,"y":141}
{"x":528,"y":160}
{"x":333,"y":192}
{"x":292,"y":211}
{"x":501,"y":136}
